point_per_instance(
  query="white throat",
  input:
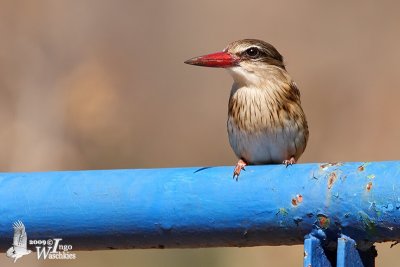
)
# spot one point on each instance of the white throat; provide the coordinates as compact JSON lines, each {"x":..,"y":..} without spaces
{"x":245,"y":78}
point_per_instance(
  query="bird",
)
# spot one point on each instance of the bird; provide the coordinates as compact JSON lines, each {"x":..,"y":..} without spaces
{"x":19,"y":247}
{"x":266,"y":122}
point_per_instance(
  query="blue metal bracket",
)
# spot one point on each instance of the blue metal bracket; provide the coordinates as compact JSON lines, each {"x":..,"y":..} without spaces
{"x":346,"y":254}
{"x":314,"y":254}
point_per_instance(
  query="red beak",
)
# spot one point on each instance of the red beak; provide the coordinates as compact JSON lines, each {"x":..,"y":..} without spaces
{"x":216,"y":60}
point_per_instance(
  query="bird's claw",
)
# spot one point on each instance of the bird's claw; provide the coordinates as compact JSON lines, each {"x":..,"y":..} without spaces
{"x":239,"y":167}
{"x":288,"y":162}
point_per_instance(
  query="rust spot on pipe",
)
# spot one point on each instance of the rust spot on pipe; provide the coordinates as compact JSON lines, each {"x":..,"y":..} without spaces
{"x":362,"y":167}
{"x":332,"y":179}
{"x":323,"y":221}
{"x":330,"y":164}
{"x":324,"y":165}
{"x":369,"y":186}
{"x":297,"y":200}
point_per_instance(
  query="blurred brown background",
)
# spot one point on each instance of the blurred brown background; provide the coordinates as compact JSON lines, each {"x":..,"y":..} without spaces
{"x":102,"y":84}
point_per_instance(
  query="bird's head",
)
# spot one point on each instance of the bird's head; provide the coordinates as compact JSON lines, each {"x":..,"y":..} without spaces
{"x":248,"y":61}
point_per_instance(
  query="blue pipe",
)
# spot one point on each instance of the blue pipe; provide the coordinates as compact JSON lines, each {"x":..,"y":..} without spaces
{"x":192,"y":207}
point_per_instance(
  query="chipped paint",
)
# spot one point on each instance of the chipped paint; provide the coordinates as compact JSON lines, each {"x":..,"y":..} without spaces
{"x":325,"y":166}
{"x":368,"y":223}
{"x":245,"y":233}
{"x":371,"y":176}
{"x":297,"y":200}
{"x":323,"y":221}
{"x":368,"y":186}
{"x":282,"y":211}
{"x":362,"y":167}
{"x":384,"y":208}
{"x":297,"y":220}
{"x":332,"y":179}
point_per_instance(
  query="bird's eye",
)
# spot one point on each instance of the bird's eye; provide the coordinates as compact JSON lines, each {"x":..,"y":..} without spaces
{"x":253,"y":52}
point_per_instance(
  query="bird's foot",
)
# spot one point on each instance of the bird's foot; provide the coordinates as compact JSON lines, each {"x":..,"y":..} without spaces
{"x":290,"y":161}
{"x":239,"y":167}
